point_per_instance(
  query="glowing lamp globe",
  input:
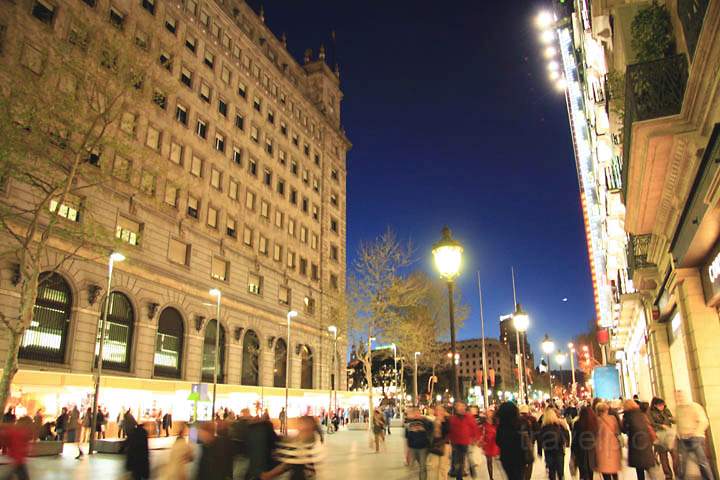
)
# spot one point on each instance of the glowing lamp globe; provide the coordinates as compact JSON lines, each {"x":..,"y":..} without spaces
{"x":548,"y":346}
{"x":521,"y":320}
{"x":447,"y":254}
{"x":560,"y":358}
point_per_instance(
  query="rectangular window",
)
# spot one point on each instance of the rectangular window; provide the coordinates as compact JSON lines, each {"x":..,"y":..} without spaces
{"x":291,"y":260}
{"x":284,"y":296}
{"x":279,"y":218}
{"x":239,"y":121}
{"x":148,"y":5}
{"x":305,"y":206}
{"x":191,"y":43}
{"x":248,"y":236}
{"x":233,"y":189}
{"x":181,"y":114}
{"x":225,"y":75}
{"x":122,"y":168}
{"x":226,"y":41}
{"x":209,"y":59}
{"x":305,"y":176}
{"x":257,"y":104}
{"x":171,"y":195}
{"x":193,"y":208}
{"x":309,"y":305}
{"x":293,"y":167}
{"x":313,"y":241}
{"x":303,"y":234}
{"x":283,"y":128}
{"x":201,"y":129}
{"x":68,"y":210}
{"x":127,"y":123}
{"x":315,"y":213}
{"x":254,"y":134}
{"x":277,"y":252}
{"x":293,"y":196}
{"x":159,"y":98}
{"x":280,"y":186}
{"x":269,"y":146}
{"x":334,"y":225}
{"x":271,"y":116}
{"x":44,"y":11}
{"x":230,"y":227}
{"x":222,"y":107}
{"x":153,"y":138}
{"x":205,"y":92}
{"x":303,"y":266}
{"x":216,"y":178}
{"x":142,"y":40}
{"x":191,"y":7}
{"x":255,"y":284}
{"x":176,"y":153}
{"x":171,"y":25}
{"x":291,"y":227}
{"x":219,"y":269}
{"x":252,"y":167}
{"x":334,"y":254}
{"x":314,"y":272}
{"x":219,"y":142}
{"x":306,"y":150}
{"x":179,"y":252}
{"x":128,"y":231}
{"x":249,"y":200}
{"x":282,"y":157}
{"x":212,"y":217}
{"x":262,"y":245}
{"x":242,"y":90}
{"x":333,"y":199}
{"x":265,"y":209}
{"x":196,"y":166}
{"x":236,"y":51}
{"x":117,"y":18}
{"x":237,"y":156}
{"x":186,"y":77}
{"x":148,"y":182}
{"x":204,"y":18}
{"x":316,"y":184}
{"x":317,"y":159}
{"x":295,"y":139}
{"x":215,"y":30}
{"x":267,"y":177}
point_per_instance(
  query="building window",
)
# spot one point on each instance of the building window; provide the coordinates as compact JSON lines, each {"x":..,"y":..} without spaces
{"x":171,"y":195}
{"x":209,"y":59}
{"x":191,"y":43}
{"x":219,"y":142}
{"x":237,"y":156}
{"x":282,"y":157}
{"x":334,"y":225}
{"x":68,"y":210}
{"x":169,"y":344}
{"x":216,"y":178}
{"x":233,"y":189}
{"x":309,"y":303}
{"x":44,"y":11}
{"x":277,"y":252}
{"x":250,"y":200}
{"x":315,"y":212}
{"x":226,"y":41}
{"x":291,"y":227}
{"x":196,"y":166}
{"x":148,"y":5}
{"x":251,"y":359}
{"x":334,"y":199}
{"x":248,"y":236}
{"x":314,"y":272}
{"x":153,"y":138}
{"x":122,"y":168}
{"x":225,"y":75}
{"x":280,"y":188}
{"x":230,"y":227}
{"x":239,"y":121}
{"x":219,"y":269}
{"x":284,"y":296}
{"x":127,"y":123}
{"x":201,"y":129}
{"x":316,"y":184}
{"x":313,"y":241}
{"x":186,"y":77}
{"x":242,"y":90}
{"x":117,"y":18}
{"x":204,"y":18}
{"x":262,"y":245}
{"x":283,"y":128}
{"x":334,"y":281}
{"x":222,"y":107}
{"x":205,"y":92}
{"x":252,"y":167}
{"x":334,"y":175}
{"x":176,"y":153}
{"x":46,"y":337}
{"x":271,"y":116}
{"x":179,"y":252}
{"x":212,"y":217}
{"x":171,"y":25}
{"x":295,"y":139}
{"x":280,"y":363}
{"x":267,"y":177}
{"x":254,"y":134}
{"x":209,"y":356}
{"x":265,"y":209}
{"x":128,"y":231}
{"x":306,"y":149}
{"x":303,"y":266}
{"x":293,"y":167}
{"x":303,"y":234}
{"x":142,"y":40}
{"x":148,"y":182}
{"x":159,"y":98}
{"x":120,"y":322}
{"x":193,"y":207}
{"x":181,"y":114}
{"x":269,"y":146}
{"x":305,"y":206}
{"x":291,"y":260}
{"x":257,"y":104}
{"x":255,"y":284}
{"x":334,"y":253}
{"x":293,"y":196}
{"x":278,"y":218}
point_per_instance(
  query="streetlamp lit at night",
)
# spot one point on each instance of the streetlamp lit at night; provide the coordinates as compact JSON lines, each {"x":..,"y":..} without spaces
{"x":521,"y":322}
{"x":571,"y":350}
{"x":548,"y":347}
{"x":447,"y":254}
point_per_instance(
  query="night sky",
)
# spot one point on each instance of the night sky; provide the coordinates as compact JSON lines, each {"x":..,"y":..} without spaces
{"x":453,"y":121}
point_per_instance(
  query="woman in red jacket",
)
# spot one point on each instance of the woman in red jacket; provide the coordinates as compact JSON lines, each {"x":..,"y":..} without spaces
{"x":487,"y":439}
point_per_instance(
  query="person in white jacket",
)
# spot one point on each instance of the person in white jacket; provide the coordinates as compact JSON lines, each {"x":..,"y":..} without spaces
{"x":692,"y":422}
{"x":181,"y":454}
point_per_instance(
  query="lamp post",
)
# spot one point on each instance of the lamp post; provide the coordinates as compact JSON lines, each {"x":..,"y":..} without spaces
{"x":571,"y":349}
{"x":217,"y":294}
{"x":114,"y":257}
{"x":560,"y":360}
{"x":548,"y":347}
{"x":395,"y":368}
{"x":415,"y":381}
{"x":370,"y":380}
{"x":333,"y":329}
{"x":521,"y":321}
{"x":447,"y":254}
{"x":290,"y":315}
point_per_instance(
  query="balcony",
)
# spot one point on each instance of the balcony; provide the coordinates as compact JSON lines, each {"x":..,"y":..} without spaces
{"x":652,"y":90}
{"x":638,"y":247}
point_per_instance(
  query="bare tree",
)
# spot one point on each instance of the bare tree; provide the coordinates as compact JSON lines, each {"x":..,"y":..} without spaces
{"x":380,"y":293}
{"x":61,"y":113}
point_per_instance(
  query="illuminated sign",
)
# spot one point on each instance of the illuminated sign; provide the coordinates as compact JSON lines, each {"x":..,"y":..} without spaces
{"x":714,"y":268}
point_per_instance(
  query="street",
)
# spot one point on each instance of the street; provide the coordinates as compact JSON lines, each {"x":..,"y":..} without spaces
{"x":348,"y":457}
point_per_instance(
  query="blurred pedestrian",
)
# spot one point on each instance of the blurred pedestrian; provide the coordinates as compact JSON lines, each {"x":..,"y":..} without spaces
{"x":15,"y":440}
{"x":641,"y":437}
{"x":512,"y":437}
{"x":488,"y":440}
{"x":389,"y":414}
{"x":378,"y":429}
{"x":584,"y":443}
{"x":692,"y":422}
{"x":609,"y":447}
{"x":663,"y":424}
{"x":299,"y":456}
{"x":554,"y":438}
{"x":61,"y":424}
{"x":440,"y":450}
{"x":181,"y":454}
{"x":419,"y":436}
{"x":283,"y":421}
{"x":463,"y":432}
{"x":167,"y":423}
{"x":137,"y":453}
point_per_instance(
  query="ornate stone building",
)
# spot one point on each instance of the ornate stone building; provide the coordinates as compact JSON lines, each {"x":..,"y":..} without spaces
{"x":256,"y":143}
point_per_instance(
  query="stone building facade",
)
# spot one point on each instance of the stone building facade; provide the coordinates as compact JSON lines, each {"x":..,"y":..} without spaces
{"x":255,"y":140}
{"x":498,"y":359}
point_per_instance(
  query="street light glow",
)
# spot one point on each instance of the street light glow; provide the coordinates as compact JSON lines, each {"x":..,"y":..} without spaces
{"x":332,"y":329}
{"x":561,"y":85}
{"x":554,"y":75}
{"x":521,"y":320}
{"x":550,"y":52}
{"x":553,"y":65}
{"x":547,"y":36}
{"x":292,"y":314}
{"x":544,"y":19}
{"x":214,"y":292}
{"x":447,"y":254}
{"x":117,"y":257}
{"x":548,"y":346}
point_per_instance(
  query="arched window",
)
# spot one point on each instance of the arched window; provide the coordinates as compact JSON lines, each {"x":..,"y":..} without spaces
{"x":306,"y":367}
{"x":46,"y":337}
{"x":279,"y":369}
{"x":208,"y":364}
{"x":169,"y":344}
{"x":118,"y":333}
{"x":251,"y":359}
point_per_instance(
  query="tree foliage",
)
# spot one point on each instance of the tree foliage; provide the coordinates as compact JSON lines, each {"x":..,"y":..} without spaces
{"x":652,"y":34}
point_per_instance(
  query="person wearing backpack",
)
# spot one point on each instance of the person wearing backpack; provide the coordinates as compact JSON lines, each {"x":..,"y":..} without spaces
{"x":554,"y":439}
{"x":419,"y":436}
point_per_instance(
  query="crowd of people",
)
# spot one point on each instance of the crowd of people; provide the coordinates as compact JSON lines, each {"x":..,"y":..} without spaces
{"x":595,"y":434}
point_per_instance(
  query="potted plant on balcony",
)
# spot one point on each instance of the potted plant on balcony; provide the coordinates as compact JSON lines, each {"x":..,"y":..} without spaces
{"x":652,"y":33}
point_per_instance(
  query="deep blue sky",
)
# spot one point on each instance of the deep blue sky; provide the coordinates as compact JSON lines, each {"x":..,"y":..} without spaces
{"x":453,"y":122}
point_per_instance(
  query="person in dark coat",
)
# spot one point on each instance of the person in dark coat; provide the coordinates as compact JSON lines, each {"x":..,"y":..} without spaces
{"x":61,"y":424}
{"x":662,"y":419}
{"x":641,"y":437}
{"x":554,"y":438}
{"x":514,"y":441}
{"x":137,"y":453}
{"x":167,"y":423}
{"x":584,"y":442}
{"x":216,"y":453}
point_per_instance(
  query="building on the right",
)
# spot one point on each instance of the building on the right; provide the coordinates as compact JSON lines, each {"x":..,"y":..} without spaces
{"x":645,"y":76}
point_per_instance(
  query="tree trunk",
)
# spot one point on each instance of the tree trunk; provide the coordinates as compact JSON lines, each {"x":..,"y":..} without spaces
{"x":368,"y":378}
{"x":28,"y":293}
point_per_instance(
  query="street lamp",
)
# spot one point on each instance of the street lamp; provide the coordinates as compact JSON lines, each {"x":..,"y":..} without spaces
{"x":217,"y":294}
{"x":560,"y":360}
{"x":333,"y":329}
{"x":447,"y":254}
{"x":548,"y":347}
{"x":114,"y":257}
{"x":571,"y":348}
{"x":290,"y":315}
{"x":395,"y":368}
{"x":415,"y":381}
{"x":521,"y":322}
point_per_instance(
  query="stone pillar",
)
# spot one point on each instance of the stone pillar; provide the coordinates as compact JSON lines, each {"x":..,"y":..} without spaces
{"x":84,"y":337}
{"x":701,"y":328}
{"x":193,"y":362}
{"x":233,"y":362}
{"x":267,"y":356}
{"x":144,"y":360}
{"x":665,"y":384}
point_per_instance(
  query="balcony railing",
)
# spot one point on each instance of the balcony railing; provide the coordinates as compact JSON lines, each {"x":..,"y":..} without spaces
{"x":692,"y":14}
{"x":652,"y":90}
{"x":638,"y":246}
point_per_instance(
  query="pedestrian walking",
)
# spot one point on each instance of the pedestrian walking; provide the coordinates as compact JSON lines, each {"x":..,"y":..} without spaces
{"x":608,"y":450}
{"x":72,"y":427}
{"x":300,"y":456}
{"x":181,"y":454}
{"x":533,"y":428}
{"x":463,"y":432}
{"x":99,"y":424}
{"x":378,"y":429}
{"x":514,"y":441}
{"x":167,"y":423}
{"x":692,"y":422}
{"x":283,"y":421}
{"x":137,"y":453}
{"x":554,"y":438}
{"x":129,"y":422}
{"x":86,"y":424}
{"x":488,"y":441}
{"x":61,"y":424}
{"x":440,"y":449}
{"x":419,"y":436}
{"x":15,"y":441}
{"x":664,"y":425}
{"x":641,"y":436}
{"x":584,"y":442}
{"x":389,"y":414}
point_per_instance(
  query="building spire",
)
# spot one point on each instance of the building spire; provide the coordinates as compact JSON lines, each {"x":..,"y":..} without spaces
{"x":283,"y":39}
{"x":308,"y":55}
{"x":262,"y":14}
{"x":321,"y":54}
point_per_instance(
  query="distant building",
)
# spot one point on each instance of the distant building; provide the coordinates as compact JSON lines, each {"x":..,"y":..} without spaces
{"x":508,"y":337}
{"x":499,"y":360}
